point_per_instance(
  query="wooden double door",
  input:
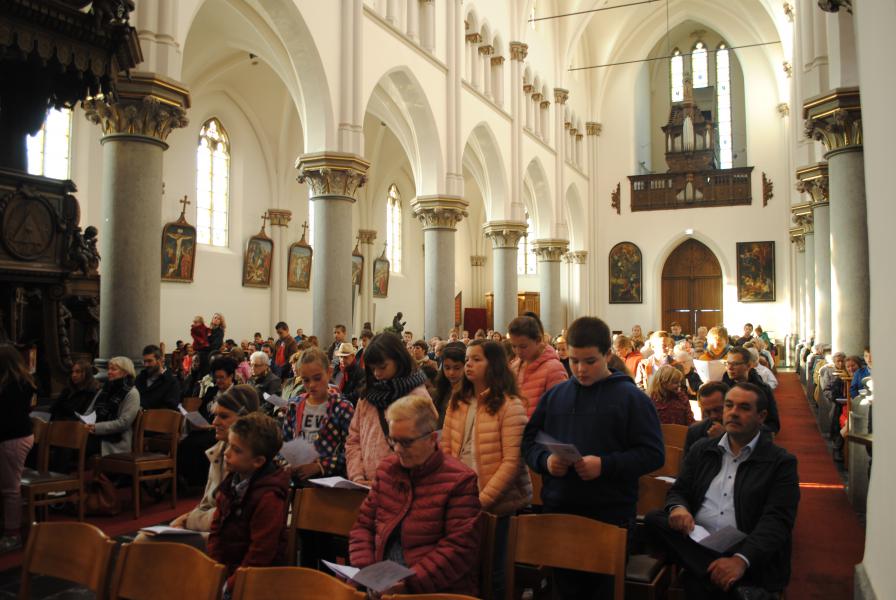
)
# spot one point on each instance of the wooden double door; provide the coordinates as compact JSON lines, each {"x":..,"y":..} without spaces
{"x":692,"y":288}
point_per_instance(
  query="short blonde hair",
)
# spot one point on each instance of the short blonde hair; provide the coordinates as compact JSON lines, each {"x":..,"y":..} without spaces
{"x":125,"y":364}
{"x":418,"y":409}
{"x":663,"y":376}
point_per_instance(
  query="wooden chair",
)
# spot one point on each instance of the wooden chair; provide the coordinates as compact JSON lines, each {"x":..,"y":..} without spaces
{"x":37,"y":484}
{"x":143,"y":465}
{"x":672,"y":465}
{"x":191,"y":403}
{"x":273,"y":583}
{"x":487,"y":525}
{"x":536,"y":488}
{"x":325,"y":510}
{"x":165,"y":570}
{"x":76,"y":552}
{"x":674,"y":435}
{"x":427,"y":597}
{"x":651,"y":494}
{"x":567,"y":542}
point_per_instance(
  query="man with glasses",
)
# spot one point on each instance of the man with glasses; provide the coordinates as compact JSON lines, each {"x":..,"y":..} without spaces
{"x":739,"y":369}
{"x":423,"y":508}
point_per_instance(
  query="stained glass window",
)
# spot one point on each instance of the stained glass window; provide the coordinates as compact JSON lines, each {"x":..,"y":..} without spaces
{"x":212,"y":184}
{"x":525,"y":255}
{"x":676,"y":75}
{"x":49,"y":151}
{"x":723,"y":99}
{"x":699,"y":68}
{"x":393,"y":229}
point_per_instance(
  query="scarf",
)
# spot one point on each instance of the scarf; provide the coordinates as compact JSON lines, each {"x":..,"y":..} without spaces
{"x":383,"y":393}
{"x":108,"y":402}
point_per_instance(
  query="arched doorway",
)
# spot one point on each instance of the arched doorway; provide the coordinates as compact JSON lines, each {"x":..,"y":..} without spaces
{"x":692,"y":287}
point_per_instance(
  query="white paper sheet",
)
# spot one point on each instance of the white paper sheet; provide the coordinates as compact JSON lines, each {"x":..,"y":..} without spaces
{"x":195,"y":418}
{"x":566,"y":452}
{"x":665,"y":478}
{"x":299,"y":452}
{"x":165,"y":530}
{"x":344,"y":571}
{"x":39,"y":414}
{"x":699,"y":533}
{"x":275,"y":400}
{"x":710,"y":370}
{"x":378,"y":577}
{"x":338,"y":482}
{"x":89,"y":419}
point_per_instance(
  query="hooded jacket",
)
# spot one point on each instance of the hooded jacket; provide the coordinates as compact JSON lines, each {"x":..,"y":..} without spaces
{"x":538,"y":376}
{"x":611,"y":419}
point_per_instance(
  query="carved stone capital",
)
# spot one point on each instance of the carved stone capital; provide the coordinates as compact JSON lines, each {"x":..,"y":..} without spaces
{"x":835,"y":119}
{"x":280,"y":217}
{"x":477,"y":261}
{"x":593,"y":128}
{"x":474,"y":38}
{"x":545,"y":103}
{"x":504,"y":234}
{"x":579,"y":137}
{"x":518,"y":51}
{"x":814,"y":181}
{"x":561,"y":95}
{"x":439,"y":212}
{"x":576,"y":257}
{"x":798,"y":237}
{"x":783,"y":109}
{"x":497,"y":61}
{"x":147,"y":104}
{"x":802,"y":216}
{"x":835,"y":5}
{"x":567,"y":124}
{"x":573,"y":131}
{"x":332,"y":173}
{"x":366,"y":236}
{"x":486,"y":50}
{"x":788,"y":11}
{"x":527,"y":88}
{"x":550,"y":250}
{"x":537,"y":97}
{"x":788,"y":69}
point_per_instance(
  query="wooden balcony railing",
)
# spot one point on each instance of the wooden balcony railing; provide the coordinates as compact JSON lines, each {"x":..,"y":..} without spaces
{"x":669,"y":191}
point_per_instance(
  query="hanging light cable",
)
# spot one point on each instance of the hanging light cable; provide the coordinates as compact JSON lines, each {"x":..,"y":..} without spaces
{"x":640,"y":60}
{"x":592,"y":10}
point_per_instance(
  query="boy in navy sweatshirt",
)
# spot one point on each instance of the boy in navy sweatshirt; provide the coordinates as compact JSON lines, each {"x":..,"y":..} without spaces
{"x":614,"y":426}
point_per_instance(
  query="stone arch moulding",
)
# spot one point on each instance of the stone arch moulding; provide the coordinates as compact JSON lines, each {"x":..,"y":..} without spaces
{"x":483,"y":145}
{"x":576,"y":219}
{"x":538,"y":180}
{"x":400,"y":102}
{"x":285,"y":42}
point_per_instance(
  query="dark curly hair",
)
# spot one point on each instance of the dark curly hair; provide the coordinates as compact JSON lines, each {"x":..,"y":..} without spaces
{"x":498,"y":377}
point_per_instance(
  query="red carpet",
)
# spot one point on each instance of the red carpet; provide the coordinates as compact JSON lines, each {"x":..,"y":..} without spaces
{"x":828,"y":540}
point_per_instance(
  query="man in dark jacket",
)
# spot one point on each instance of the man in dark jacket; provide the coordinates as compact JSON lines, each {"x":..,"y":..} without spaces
{"x":348,"y":376}
{"x":285,"y":347}
{"x":739,"y":369}
{"x":615,"y":428}
{"x":158,"y":387}
{"x":711,"y":398}
{"x":742,"y":480}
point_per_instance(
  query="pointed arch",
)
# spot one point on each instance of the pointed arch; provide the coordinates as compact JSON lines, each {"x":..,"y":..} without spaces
{"x":576,"y":217}
{"x":482,"y":155}
{"x":536,"y":178}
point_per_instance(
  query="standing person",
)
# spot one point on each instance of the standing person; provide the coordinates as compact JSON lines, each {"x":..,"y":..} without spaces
{"x":349,"y":380}
{"x":450,"y":377}
{"x":671,"y":402}
{"x":117,"y":406}
{"x":338,"y":339}
{"x":624,"y":349}
{"x":158,"y":387}
{"x":483,"y":429}
{"x":199,"y":331}
{"x":536,"y":366}
{"x":78,"y":395}
{"x":391,"y":374}
{"x":216,"y":334}
{"x":617,"y":432}
{"x":662,"y":345}
{"x":563,"y":353}
{"x":420,"y":352}
{"x":285,"y":347}
{"x":675,"y":331}
{"x":637,"y":337}
{"x":17,"y":390}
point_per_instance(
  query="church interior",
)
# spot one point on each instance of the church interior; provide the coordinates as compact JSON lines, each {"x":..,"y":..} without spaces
{"x":458,"y":163}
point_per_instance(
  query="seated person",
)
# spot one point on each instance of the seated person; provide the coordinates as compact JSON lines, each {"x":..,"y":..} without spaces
{"x":158,"y":386}
{"x":249,"y":525}
{"x":742,"y":480}
{"x":669,"y":399}
{"x":192,"y":448}
{"x":662,"y":345}
{"x":859,"y":371}
{"x":739,"y":369}
{"x":692,"y":380}
{"x":829,"y":378}
{"x":423,"y":508}
{"x":711,"y":398}
{"x":716,"y":344}
{"x":768,"y":378}
{"x":264,"y":380}
{"x":117,"y":406}
{"x":78,"y":395}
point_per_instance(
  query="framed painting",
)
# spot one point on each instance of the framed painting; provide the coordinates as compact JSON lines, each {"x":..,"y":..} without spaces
{"x":381,"y":276}
{"x":298,"y":264}
{"x":756,"y":271}
{"x":625,"y":274}
{"x":357,"y":267}
{"x":257,"y":261}
{"x":178,"y":249}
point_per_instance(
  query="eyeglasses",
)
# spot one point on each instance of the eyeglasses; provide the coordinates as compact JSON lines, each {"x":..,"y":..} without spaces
{"x":405,"y":443}
{"x":734,"y":363}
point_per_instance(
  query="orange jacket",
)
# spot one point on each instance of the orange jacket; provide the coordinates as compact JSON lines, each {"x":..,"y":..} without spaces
{"x":537,"y":377}
{"x":504,"y":484}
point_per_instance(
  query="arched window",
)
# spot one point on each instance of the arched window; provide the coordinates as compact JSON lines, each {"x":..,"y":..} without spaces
{"x":212,"y":184}
{"x":525,"y":255}
{"x":699,"y":68}
{"x":49,"y":151}
{"x":393,"y":229}
{"x":676,"y":75}
{"x":723,"y":100}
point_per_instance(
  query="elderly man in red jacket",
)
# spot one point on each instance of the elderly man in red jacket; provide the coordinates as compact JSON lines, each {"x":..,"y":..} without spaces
{"x":423,"y":508}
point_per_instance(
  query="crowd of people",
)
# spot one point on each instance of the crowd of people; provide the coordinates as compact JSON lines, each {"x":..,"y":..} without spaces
{"x":441,"y":430}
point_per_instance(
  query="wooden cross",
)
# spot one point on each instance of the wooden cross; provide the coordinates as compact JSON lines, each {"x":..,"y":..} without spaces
{"x":185,"y":202}
{"x":264,"y":220}
{"x":304,"y":229}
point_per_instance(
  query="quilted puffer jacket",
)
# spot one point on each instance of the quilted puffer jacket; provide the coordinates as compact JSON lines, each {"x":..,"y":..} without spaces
{"x":537,"y":377}
{"x":437,"y":507}
{"x":504,"y":484}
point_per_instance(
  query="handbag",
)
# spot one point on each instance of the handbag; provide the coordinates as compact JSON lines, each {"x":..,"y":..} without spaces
{"x":102,"y":497}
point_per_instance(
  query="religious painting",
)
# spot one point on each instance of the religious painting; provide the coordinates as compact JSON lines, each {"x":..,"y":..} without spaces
{"x":756,"y":271}
{"x":381,"y":276}
{"x":298,"y":264}
{"x":625,"y":274}
{"x":257,"y":261}
{"x":357,"y":266}
{"x":178,"y":249}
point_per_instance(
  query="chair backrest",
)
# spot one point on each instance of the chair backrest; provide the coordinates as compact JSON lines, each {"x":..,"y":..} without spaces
{"x":273,"y":583}
{"x":651,"y":494}
{"x":488,"y":523}
{"x":165,"y":422}
{"x":427,"y":597}
{"x":39,"y":430}
{"x":536,"y":487}
{"x":674,"y":435}
{"x":148,"y":571}
{"x":327,"y":510}
{"x":567,"y":542}
{"x":673,"y":462}
{"x":191,"y":403}
{"x":76,"y":552}
{"x":69,"y":434}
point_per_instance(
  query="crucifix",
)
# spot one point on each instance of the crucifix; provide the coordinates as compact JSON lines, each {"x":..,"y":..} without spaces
{"x":304,"y":229}
{"x":264,"y":221}
{"x":185,"y":202}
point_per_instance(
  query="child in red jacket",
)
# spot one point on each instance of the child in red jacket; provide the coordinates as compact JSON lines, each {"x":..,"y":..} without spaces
{"x":199,"y":331}
{"x":249,"y":527}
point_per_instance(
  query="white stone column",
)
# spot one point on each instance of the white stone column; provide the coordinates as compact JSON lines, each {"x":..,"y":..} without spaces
{"x":468,"y":60}
{"x":477,"y":262}
{"x":544,"y":113}
{"x":549,"y":253}
{"x":333,"y":180}
{"x":428,"y":25}
{"x":392,"y":12}
{"x":593,"y":130}
{"x":486,"y":53}
{"x":835,"y":119}
{"x":498,"y":79}
{"x":578,"y":261}
{"x":475,"y":80}
{"x":413,"y":20}
{"x":799,"y":246}
{"x":279,"y":225}
{"x":802,"y":216}
{"x":579,"y":143}
{"x":536,"y":124}
{"x":439,"y":216}
{"x":366,"y":237}
{"x":135,"y":128}
{"x":530,"y":107}
{"x":814,"y":180}
{"x":505,"y":236}
{"x":561,"y":135}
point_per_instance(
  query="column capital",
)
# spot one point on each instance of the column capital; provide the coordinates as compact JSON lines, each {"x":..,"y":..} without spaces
{"x":798,"y":237}
{"x":550,"y":249}
{"x":573,"y":131}
{"x":576,"y":257}
{"x":527,"y":88}
{"x":561,"y":95}
{"x":802,"y":216}
{"x":545,"y":103}
{"x":366,"y":236}
{"x":593,"y":128}
{"x":280,"y":217}
{"x":486,"y":50}
{"x":477,"y":261}
{"x":518,"y":51}
{"x":835,"y":119}
{"x":813,"y":179}
{"x":835,"y":5}
{"x":497,"y":61}
{"x":783,"y":109}
{"x":504,"y":234}
{"x":146,"y":104}
{"x":474,"y":38}
{"x":439,"y":212}
{"x":332,"y":173}
{"x":537,"y":97}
